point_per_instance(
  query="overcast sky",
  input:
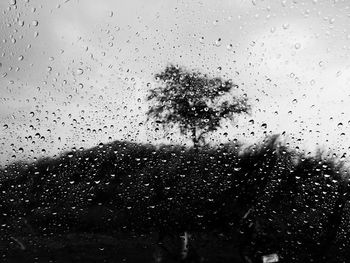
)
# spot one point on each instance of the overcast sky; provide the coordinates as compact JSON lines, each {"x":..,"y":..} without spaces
{"x":75,"y":73}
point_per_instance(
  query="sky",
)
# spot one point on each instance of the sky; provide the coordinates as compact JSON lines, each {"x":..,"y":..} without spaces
{"x":75,"y":73}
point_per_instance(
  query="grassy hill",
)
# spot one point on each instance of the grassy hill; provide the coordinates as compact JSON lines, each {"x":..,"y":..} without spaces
{"x":262,"y":199}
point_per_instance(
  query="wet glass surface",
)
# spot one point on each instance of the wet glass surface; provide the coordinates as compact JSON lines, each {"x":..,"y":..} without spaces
{"x":174,"y":131}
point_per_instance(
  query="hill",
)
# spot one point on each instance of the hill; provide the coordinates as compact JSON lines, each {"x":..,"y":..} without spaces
{"x":249,"y":202}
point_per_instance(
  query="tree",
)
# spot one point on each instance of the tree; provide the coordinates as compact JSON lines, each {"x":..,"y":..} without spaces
{"x":194,"y":102}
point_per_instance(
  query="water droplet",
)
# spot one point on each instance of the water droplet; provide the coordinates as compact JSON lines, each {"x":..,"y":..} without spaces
{"x":80,"y":71}
{"x":285,"y":26}
{"x":218,"y":42}
{"x":35,"y":23}
{"x":297,"y":46}
{"x":12,"y":2}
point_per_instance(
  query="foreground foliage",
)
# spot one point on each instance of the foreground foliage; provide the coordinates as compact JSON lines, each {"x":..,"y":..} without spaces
{"x":262,"y":199}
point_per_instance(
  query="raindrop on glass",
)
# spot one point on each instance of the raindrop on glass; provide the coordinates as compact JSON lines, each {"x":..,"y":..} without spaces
{"x":80,"y":71}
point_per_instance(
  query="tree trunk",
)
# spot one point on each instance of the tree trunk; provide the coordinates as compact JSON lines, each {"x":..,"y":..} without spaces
{"x":194,"y":138}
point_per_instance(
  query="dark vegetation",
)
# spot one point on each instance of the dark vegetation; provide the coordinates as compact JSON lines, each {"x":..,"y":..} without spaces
{"x":250,"y":202}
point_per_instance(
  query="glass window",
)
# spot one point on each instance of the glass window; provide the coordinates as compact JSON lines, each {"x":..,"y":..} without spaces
{"x":174,"y":131}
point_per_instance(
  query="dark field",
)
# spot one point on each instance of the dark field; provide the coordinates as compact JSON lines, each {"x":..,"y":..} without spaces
{"x":115,"y":248}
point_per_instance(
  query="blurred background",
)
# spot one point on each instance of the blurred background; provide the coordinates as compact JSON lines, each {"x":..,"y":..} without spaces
{"x":75,"y":73}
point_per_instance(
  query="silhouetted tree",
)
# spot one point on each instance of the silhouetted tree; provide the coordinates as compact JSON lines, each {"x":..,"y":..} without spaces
{"x":194,"y":102}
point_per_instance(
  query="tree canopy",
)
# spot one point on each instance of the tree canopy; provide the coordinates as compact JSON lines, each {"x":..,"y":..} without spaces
{"x":194,"y":102}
